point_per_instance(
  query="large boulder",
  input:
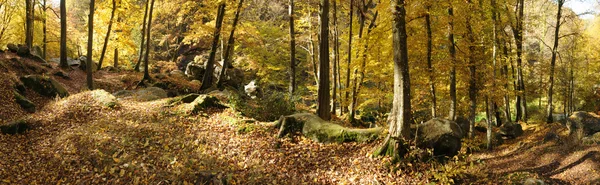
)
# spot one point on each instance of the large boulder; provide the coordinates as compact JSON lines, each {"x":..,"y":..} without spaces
{"x":12,"y":47}
{"x":37,"y":51}
{"x":24,"y":102}
{"x":83,"y":64}
{"x":511,"y":130}
{"x":44,"y":85}
{"x":593,"y":139}
{"x":201,"y":103}
{"x":319,"y":130}
{"x":582,"y":124}
{"x":195,"y":70}
{"x":15,"y":127}
{"x":23,"y":51}
{"x":234,"y":77}
{"x":441,"y":135}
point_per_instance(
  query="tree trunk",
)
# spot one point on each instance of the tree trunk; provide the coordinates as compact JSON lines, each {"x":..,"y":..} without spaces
{"x":472,"y":75}
{"x":63,"y":35}
{"x":521,"y":104}
{"x":335,"y":59}
{"x":147,"y":54}
{"x":323,"y":94}
{"x":230,"y":42}
{"x":137,"y":65}
{"x":45,"y":30}
{"x":292,"y":74}
{"x":345,"y":102}
{"x":429,"y":62}
{"x":363,"y":68}
{"x":29,"y":4}
{"x":207,"y":79}
{"x":116,"y":59}
{"x":400,"y":116}
{"x":90,"y":81}
{"x":452,"y":113}
{"x":112,"y":16}
{"x":549,"y":108}
{"x":506,"y":60}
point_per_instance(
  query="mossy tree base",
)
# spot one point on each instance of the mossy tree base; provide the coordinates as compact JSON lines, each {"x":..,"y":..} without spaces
{"x":317,"y":129}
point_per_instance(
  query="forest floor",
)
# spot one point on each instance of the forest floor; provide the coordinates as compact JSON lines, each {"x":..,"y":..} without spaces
{"x":77,"y":140}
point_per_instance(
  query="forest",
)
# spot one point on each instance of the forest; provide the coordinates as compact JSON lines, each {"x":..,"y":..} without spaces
{"x":299,"y":92}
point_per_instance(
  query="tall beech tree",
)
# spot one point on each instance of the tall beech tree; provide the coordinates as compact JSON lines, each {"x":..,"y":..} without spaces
{"x":207,"y":79}
{"x":230,"y":43}
{"x":29,"y":21}
{"x":110,"y":23}
{"x":452,"y":49}
{"x":141,"y":55}
{"x":292,"y":72}
{"x":549,"y":108}
{"x":323,"y":93}
{"x":148,"y":36}
{"x":63,"y":35}
{"x":90,"y":80}
{"x":400,"y":116}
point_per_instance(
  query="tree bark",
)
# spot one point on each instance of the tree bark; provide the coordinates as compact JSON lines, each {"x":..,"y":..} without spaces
{"x":345,"y":102}
{"x":149,"y":32}
{"x":549,"y":108}
{"x":137,"y":65}
{"x":116,"y":59}
{"x":292,"y":87}
{"x":452,"y":48}
{"x":207,"y":79}
{"x":521,"y":103}
{"x":45,"y":30}
{"x":112,"y":16}
{"x":472,"y":74}
{"x":90,"y":80}
{"x":63,"y":35}
{"x":230,"y":43}
{"x":400,"y":116}
{"x":323,"y":93}
{"x":29,"y":4}
{"x":429,"y":62}
{"x":335,"y":59}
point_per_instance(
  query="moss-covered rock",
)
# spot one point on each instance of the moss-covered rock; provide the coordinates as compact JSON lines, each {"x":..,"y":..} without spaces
{"x":16,"y":127}
{"x":24,"y":102}
{"x":44,"y":85}
{"x":441,"y":135}
{"x":105,"y":98}
{"x":202,"y":102}
{"x":188,"y":98}
{"x":317,"y":129}
{"x":581,"y":125}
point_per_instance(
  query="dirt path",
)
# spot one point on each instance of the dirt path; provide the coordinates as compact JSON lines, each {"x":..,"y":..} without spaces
{"x":556,"y":161}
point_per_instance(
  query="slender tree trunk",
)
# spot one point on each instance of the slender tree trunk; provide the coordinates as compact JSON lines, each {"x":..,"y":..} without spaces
{"x":63,"y":35}
{"x":521,"y":104}
{"x":572,"y":90}
{"x":112,"y":16}
{"x":323,"y":93}
{"x":335,"y":59}
{"x":137,"y":65}
{"x":230,"y":44}
{"x":207,"y":79}
{"x":506,"y":61}
{"x":363,"y":68}
{"x":90,"y":81}
{"x":472,"y":74}
{"x":292,"y":73}
{"x":429,"y":62}
{"x":452,"y":114}
{"x":29,"y":4}
{"x":45,"y":30}
{"x":345,"y":102}
{"x":148,"y":38}
{"x":400,"y":116}
{"x":549,"y":108}
{"x":116,"y":59}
